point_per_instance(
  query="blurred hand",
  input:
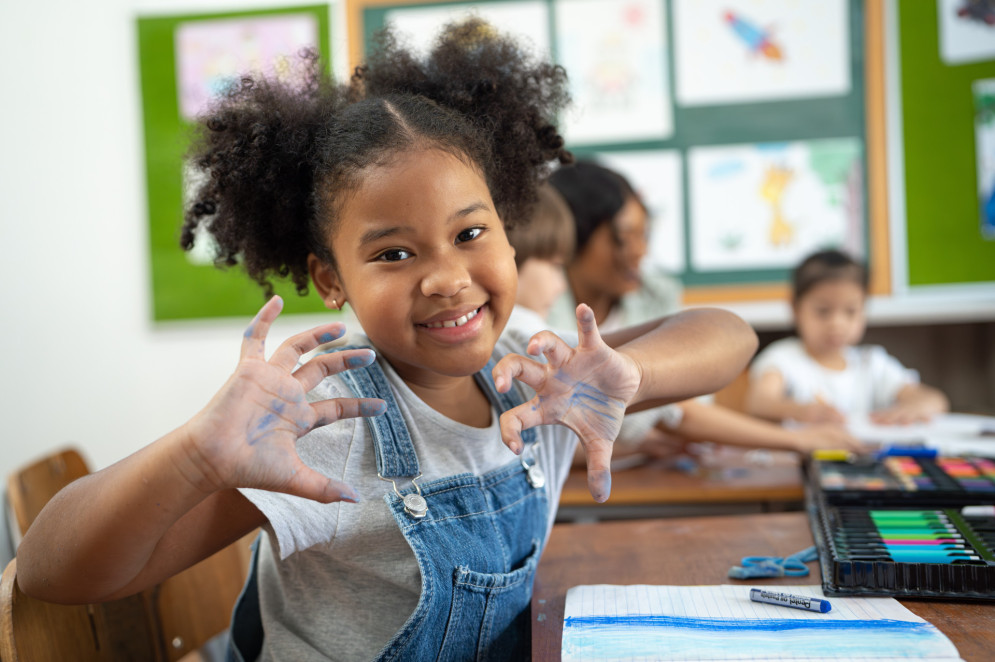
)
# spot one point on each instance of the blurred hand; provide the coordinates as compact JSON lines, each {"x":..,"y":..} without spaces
{"x":825,"y":436}
{"x":819,"y":411}
{"x":900,"y":414}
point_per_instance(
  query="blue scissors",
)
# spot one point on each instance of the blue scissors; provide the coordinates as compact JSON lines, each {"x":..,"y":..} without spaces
{"x":774,"y":566}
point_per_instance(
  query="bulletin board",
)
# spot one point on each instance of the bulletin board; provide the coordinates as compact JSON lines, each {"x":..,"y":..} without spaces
{"x":734,"y":113}
{"x":183,"y":61}
{"x":945,"y":60}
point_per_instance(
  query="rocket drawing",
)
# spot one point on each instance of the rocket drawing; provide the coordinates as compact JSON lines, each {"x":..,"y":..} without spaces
{"x":756,"y":39}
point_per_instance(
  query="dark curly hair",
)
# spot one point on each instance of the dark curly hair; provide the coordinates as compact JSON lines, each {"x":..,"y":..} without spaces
{"x":280,"y":158}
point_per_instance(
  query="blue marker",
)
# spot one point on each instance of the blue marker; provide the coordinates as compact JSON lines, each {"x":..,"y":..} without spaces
{"x":907,"y":451}
{"x":788,"y":600}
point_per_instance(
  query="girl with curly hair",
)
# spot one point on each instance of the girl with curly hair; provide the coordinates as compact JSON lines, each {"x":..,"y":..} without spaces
{"x":415,"y":535}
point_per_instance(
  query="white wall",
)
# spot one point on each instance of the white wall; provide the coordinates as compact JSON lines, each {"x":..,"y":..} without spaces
{"x":81,"y":361}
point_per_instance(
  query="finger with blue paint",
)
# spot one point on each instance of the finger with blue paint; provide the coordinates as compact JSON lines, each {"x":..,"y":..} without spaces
{"x":247,"y":434}
{"x":586,"y":388}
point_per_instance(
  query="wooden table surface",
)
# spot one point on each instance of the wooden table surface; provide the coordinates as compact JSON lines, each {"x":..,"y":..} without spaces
{"x":700,"y":550}
{"x":727,"y":475}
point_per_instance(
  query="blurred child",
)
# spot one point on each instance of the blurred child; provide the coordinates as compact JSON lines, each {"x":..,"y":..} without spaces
{"x":608,"y":270}
{"x":822,"y":375}
{"x":542,"y":248}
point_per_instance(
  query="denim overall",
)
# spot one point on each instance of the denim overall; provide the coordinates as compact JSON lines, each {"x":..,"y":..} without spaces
{"x":477,"y":541}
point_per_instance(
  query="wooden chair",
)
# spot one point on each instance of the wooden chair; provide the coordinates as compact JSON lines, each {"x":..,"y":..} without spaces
{"x":30,"y":488}
{"x":44,"y":632}
{"x":165,"y":623}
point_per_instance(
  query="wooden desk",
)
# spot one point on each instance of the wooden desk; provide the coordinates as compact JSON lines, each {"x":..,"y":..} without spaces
{"x":700,"y":550}
{"x":726,"y":482}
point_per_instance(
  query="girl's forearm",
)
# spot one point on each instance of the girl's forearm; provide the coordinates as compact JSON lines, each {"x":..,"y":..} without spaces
{"x":703,"y":422}
{"x":695,"y":352}
{"x":98,"y":534}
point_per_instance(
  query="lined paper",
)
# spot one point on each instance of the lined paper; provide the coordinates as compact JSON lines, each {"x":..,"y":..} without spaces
{"x":641,"y":623}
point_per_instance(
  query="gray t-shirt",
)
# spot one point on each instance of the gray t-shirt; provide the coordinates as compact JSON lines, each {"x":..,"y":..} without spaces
{"x":337,"y":581}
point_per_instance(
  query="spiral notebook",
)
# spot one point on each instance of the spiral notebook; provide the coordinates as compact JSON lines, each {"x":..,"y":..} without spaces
{"x":641,"y":623}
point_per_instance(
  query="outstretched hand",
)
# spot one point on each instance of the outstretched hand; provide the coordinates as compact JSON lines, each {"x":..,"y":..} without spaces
{"x":586,"y":388}
{"x":246,"y":435}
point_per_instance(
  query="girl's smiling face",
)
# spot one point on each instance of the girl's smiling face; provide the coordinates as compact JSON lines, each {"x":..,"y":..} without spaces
{"x":423,"y":259}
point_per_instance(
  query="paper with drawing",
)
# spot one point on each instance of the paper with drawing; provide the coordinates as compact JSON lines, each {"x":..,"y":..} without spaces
{"x":721,"y":623}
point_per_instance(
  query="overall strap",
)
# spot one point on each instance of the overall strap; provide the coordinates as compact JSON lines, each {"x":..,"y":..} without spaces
{"x":395,"y":453}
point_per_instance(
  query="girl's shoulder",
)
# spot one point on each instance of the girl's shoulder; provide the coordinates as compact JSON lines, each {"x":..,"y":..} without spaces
{"x":780,"y":355}
{"x":788,"y":345}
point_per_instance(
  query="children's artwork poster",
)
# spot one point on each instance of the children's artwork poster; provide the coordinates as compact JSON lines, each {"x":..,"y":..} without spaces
{"x":741,"y":51}
{"x":769,"y":205}
{"x":656,"y":177}
{"x":185,"y":61}
{"x":617,"y":59}
{"x":527,"y":21}
{"x":967,"y":30}
{"x":211,"y":54}
{"x":984,"y":142}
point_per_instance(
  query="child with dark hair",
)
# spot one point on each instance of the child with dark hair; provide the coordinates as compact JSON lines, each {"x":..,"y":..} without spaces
{"x":822,"y":374}
{"x":416,"y":535}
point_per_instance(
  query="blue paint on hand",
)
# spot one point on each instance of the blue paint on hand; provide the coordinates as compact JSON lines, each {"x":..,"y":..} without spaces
{"x":361,"y":360}
{"x":376,"y":408}
{"x":329,"y":336}
{"x":594,"y":400}
{"x":600,"y":485}
{"x":268,"y":422}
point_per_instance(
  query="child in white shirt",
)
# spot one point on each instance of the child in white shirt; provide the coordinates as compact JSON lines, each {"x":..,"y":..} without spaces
{"x":822,"y":375}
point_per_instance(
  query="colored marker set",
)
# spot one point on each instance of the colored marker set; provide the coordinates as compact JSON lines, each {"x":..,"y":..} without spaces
{"x":904,"y":552}
{"x":907,"y":536}
{"x":906,"y":480}
{"x":893,"y":525}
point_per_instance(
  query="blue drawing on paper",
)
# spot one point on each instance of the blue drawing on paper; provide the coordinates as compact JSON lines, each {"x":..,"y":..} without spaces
{"x":659,"y":637}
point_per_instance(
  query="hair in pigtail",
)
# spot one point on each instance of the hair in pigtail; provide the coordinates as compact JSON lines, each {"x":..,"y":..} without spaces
{"x":256,"y":148}
{"x":281,"y":158}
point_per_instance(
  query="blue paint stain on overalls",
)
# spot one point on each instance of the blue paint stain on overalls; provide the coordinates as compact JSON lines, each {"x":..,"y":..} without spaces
{"x":477,"y":546}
